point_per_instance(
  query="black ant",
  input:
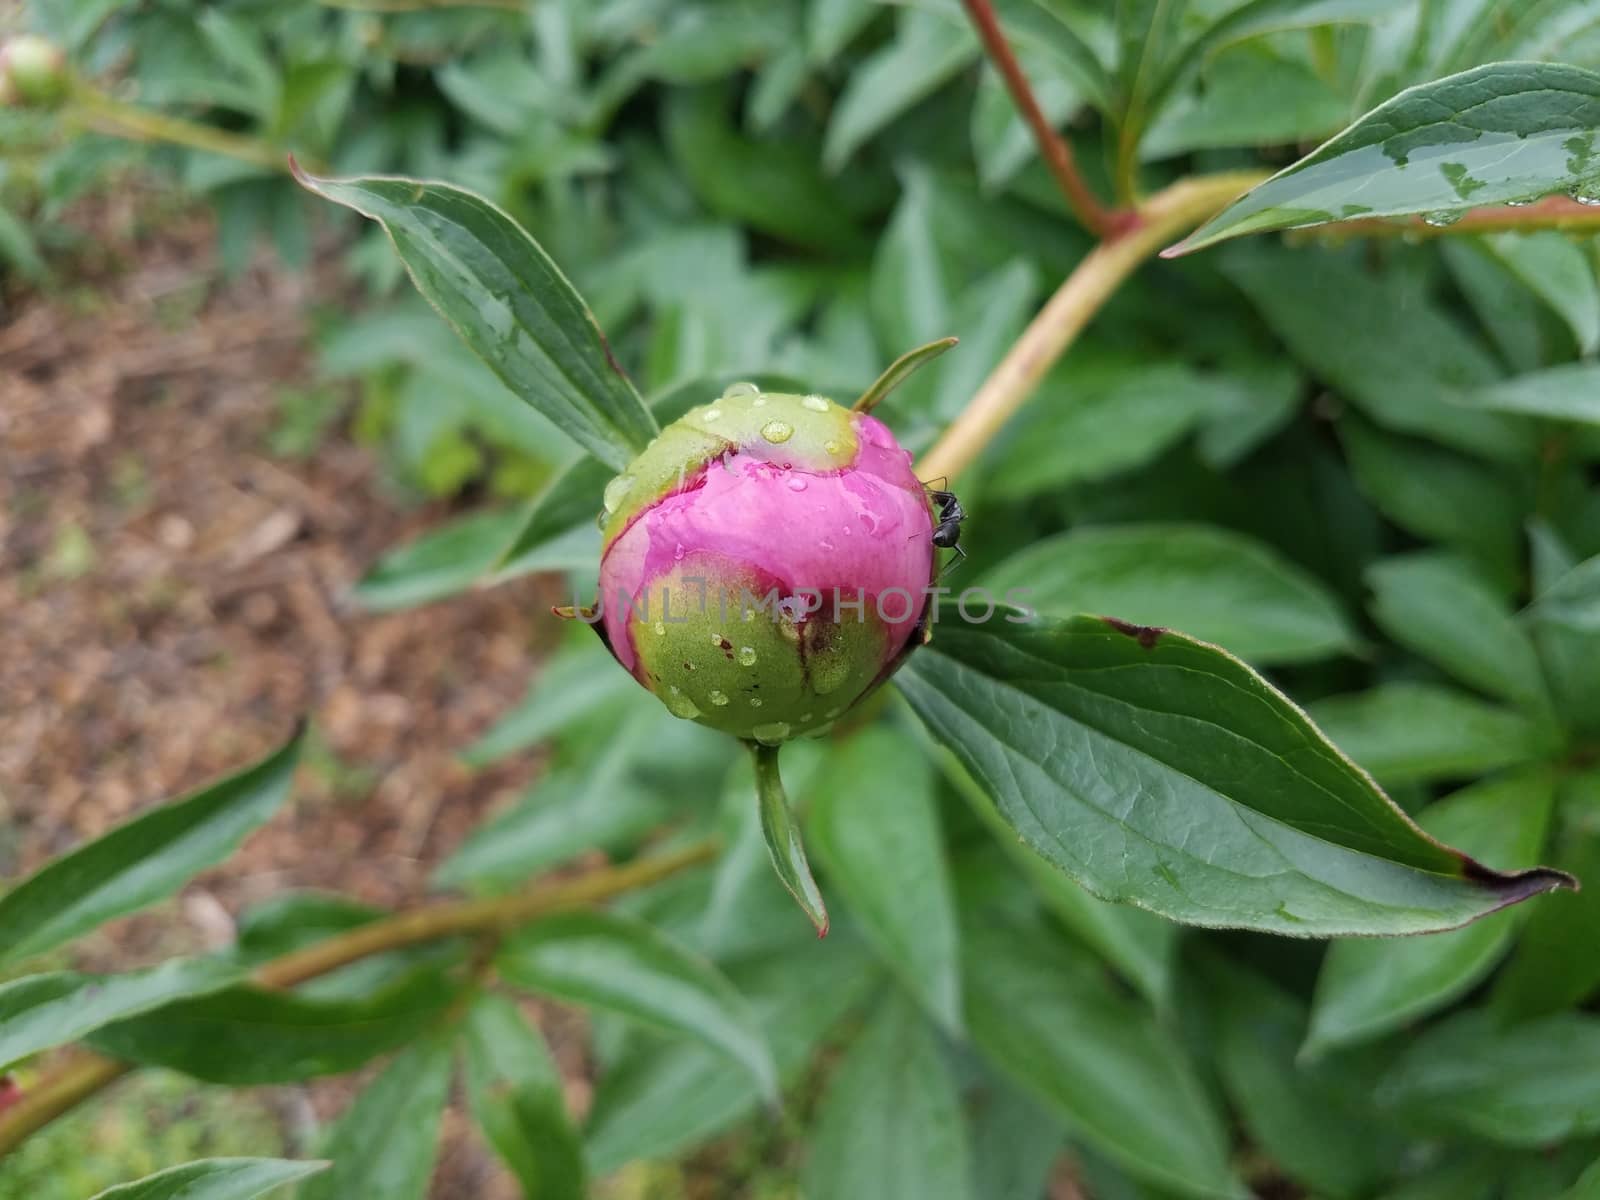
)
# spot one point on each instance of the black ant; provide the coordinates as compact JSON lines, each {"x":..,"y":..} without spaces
{"x":947,"y":534}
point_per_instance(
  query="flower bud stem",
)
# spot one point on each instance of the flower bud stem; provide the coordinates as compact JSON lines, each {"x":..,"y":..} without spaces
{"x":1167,"y":214}
{"x":782,"y":834}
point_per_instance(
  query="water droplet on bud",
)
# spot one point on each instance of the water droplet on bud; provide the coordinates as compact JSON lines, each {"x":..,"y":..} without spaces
{"x":661,"y":629}
{"x":677,"y":552}
{"x":711,"y":414}
{"x":777,"y":431}
{"x":742,"y":388}
{"x":615,"y":491}
{"x":771,"y":735}
{"x":797,"y":483}
{"x":755,"y":701}
{"x":814,"y":403}
{"x":830,"y":447}
{"x":747,"y":656}
{"x":680,"y":705}
{"x":719,"y":698}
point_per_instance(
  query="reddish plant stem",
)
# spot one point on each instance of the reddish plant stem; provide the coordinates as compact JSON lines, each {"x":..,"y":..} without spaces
{"x":1057,"y":151}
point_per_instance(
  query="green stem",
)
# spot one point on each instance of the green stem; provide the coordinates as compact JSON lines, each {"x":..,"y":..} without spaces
{"x":1053,"y":147}
{"x":87,"y":1073}
{"x":782,"y":834}
{"x":121,"y":119}
{"x":1167,"y":215}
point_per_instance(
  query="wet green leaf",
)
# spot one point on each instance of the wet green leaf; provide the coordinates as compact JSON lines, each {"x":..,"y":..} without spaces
{"x":1161,"y":771}
{"x":506,"y":298}
{"x":1502,"y":132}
{"x":143,"y":861}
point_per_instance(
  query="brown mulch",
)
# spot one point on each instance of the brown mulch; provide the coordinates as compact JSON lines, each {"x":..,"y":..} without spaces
{"x":172,"y":599}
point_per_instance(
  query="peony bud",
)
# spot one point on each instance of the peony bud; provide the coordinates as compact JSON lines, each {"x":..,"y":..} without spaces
{"x":33,"y":72}
{"x":765,"y":562}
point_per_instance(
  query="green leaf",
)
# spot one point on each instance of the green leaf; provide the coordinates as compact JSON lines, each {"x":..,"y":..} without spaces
{"x":890,"y":1124}
{"x":782,"y":835}
{"x":506,"y":298}
{"x":1570,"y":392}
{"x":1138,"y":944}
{"x":1052,"y":1022}
{"x":568,"y":813}
{"x":1557,"y":270}
{"x":248,"y":1035}
{"x":1404,"y":361}
{"x":1531,"y":1084}
{"x":1215,"y":584}
{"x":899,"y":371}
{"x":1369,"y":987}
{"x":1158,"y":770}
{"x":1314,"y":1120}
{"x":576,"y":682}
{"x":774,"y":185}
{"x":515,"y":1091}
{"x":143,"y":861}
{"x":1436,"y":493}
{"x":386,"y":1141}
{"x":887,"y":859}
{"x":664,"y":1096}
{"x":1095,"y":419}
{"x":1419,"y":732}
{"x":831,"y":25}
{"x":41,"y":1011}
{"x":622,"y":965}
{"x":1502,"y":132}
{"x":1572,"y":601}
{"x":1254,"y":19}
{"x":1553,"y":966}
{"x":442,"y":562}
{"x":1443,"y":610}
{"x":927,"y":50}
{"x":215,"y":1179}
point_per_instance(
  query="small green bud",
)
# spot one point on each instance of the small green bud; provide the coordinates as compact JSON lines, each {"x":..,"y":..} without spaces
{"x":33,"y":73}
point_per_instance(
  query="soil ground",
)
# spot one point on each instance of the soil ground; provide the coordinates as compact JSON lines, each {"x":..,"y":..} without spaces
{"x":174,"y":598}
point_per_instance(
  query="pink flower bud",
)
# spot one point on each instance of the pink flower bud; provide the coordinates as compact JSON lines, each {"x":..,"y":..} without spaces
{"x":765,"y":562}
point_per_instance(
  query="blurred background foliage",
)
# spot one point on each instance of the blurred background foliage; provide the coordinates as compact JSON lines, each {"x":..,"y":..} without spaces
{"x":1264,"y":445}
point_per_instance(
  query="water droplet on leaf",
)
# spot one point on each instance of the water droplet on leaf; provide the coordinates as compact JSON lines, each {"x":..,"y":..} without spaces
{"x":1443,"y":217}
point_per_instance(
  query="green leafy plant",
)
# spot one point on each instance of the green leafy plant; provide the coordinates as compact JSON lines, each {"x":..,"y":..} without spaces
{"x":1330,"y":507}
